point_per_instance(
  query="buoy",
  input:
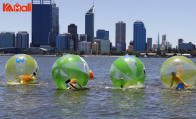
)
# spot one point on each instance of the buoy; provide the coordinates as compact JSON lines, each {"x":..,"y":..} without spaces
{"x":91,"y":74}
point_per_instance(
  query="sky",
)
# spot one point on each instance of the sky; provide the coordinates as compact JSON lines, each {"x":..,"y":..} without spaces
{"x":175,"y":18}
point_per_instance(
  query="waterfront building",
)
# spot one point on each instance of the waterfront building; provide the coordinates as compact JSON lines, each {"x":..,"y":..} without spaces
{"x":105,"y":46}
{"x":163,"y":44}
{"x":131,"y":46}
{"x":45,"y":23}
{"x":85,"y":47}
{"x":82,"y":37}
{"x":64,"y":42}
{"x":95,"y":48}
{"x":187,"y":46}
{"x":102,"y":34}
{"x":22,"y":39}
{"x":180,"y":41}
{"x":139,"y":36}
{"x":118,"y":47}
{"x":72,"y":29}
{"x":149,"y":44}
{"x":89,"y":25}
{"x":120,"y":36}
{"x":7,"y":40}
{"x":61,"y":42}
{"x":168,"y":45}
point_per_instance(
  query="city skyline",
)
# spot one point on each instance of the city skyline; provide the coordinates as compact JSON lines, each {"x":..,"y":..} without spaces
{"x":173,"y":21}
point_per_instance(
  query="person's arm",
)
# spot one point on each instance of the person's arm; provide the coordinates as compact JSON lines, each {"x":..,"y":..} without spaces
{"x":171,"y":83}
{"x":73,"y":86}
{"x":80,"y":85}
{"x":186,"y":85}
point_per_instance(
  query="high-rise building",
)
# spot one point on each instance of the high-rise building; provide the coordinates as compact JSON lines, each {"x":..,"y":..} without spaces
{"x":187,"y":46}
{"x":149,"y":44}
{"x":85,"y":47}
{"x":45,"y":23}
{"x":95,"y":48}
{"x":130,"y":48}
{"x":105,"y":46}
{"x":22,"y":39}
{"x":102,"y":34}
{"x":64,"y":42}
{"x":163,"y":44}
{"x":120,"y":36}
{"x":61,"y":42}
{"x":89,"y":25}
{"x":168,"y":45}
{"x":164,"y":39}
{"x":139,"y":36}
{"x":180,"y":41}
{"x":72,"y":29}
{"x":82,"y":37}
{"x":7,"y":40}
{"x":70,"y":41}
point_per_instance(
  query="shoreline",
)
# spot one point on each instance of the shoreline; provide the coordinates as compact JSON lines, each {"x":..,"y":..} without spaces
{"x":87,"y":56}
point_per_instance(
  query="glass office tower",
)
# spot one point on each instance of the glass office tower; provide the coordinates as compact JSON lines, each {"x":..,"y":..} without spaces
{"x":89,"y":24}
{"x":45,"y":23}
{"x":121,"y":36}
{"x":139,"y":36}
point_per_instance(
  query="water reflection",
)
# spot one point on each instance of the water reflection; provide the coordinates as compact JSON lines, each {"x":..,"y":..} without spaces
{"x":69,"y":102}
{"x":178,"y":103}
{"x":19,"y":100}
{"x":128,"y":102}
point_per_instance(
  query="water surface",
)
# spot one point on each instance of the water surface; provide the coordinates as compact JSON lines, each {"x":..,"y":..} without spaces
{"x":101,"y":101}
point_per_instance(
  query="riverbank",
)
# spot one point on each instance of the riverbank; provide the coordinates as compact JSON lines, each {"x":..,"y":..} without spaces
{"x":38,"y":55}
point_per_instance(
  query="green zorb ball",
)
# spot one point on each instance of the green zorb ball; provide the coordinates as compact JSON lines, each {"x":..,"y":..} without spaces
{"x":19,"y":65}
{"x":182,"y":66}
{"x":70,"y":67}
{"x":127,"y":71}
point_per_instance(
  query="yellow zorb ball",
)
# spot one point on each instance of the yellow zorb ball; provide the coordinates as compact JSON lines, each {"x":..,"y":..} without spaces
{"x":21,"y":66}
{"x":182,"y":66}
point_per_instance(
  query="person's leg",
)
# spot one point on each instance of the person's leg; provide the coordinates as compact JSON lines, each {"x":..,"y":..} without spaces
{"x":186,"y":85}
{"x":180,"y":86}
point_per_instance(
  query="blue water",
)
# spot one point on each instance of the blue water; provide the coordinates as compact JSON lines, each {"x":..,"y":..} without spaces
{"x":101,"y":101}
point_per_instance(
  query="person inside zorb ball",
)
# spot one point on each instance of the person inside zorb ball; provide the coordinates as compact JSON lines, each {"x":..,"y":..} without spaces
{"x":70,"y":72}
{"x":21,"y":68}
{"x":178,"y":72}
{"x":127,"y":71}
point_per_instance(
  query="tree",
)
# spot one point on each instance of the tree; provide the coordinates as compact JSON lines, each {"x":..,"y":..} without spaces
{"x":82,"y":52}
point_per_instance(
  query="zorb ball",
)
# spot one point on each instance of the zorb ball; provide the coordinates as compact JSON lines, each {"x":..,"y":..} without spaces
{"x":70,"y":67}
{"x":127,"y":71}
{"x":21,"y":65}
{"x":182,"y":66}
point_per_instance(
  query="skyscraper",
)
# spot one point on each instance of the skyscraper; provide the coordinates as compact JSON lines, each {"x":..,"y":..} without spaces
{"x":89,"y":25}
{"x":102,"y":34}
{"x":149,"y":44}
{"x":164,"y":39}
{"x":22,"y":39}
{"x":179,"y":42}
{"x":121,"y":36}
{"x":45,"y":23}
{"x":72,"y":29}
{"x":7,"y":40}
{"x":139,"y":36}
{"x":82,"y":37}
{"x":163,"y":44}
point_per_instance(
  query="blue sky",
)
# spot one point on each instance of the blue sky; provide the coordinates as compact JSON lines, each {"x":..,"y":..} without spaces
{"x":175,"y":18}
